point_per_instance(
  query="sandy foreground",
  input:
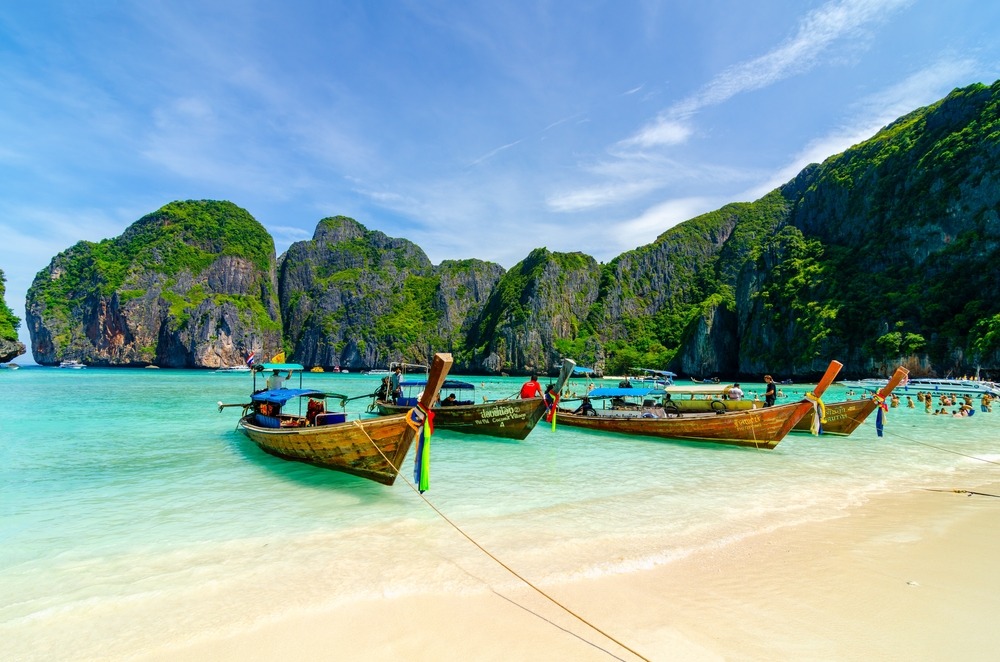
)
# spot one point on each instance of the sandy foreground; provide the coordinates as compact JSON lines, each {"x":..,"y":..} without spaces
{"x":909,"y":576}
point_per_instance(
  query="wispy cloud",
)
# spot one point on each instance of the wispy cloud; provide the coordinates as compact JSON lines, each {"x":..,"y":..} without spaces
{"x":817,"y":32}
{"x":600,"y":196}
{"x":494,"y":152}
{"x":871,"y":114}
{"x":659,"y":218}
{"x":635,"y":166}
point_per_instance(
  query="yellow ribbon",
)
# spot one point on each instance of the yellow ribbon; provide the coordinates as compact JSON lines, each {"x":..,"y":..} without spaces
{"x":819,"y":412}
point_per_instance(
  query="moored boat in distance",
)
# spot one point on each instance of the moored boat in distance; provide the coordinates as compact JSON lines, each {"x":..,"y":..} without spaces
{"x":372,"y":448}
{"x":233,"y":368}
{"x":932,"y":385}
{"x":510,"y":418}
{"x":843,"y":418}
{"x":72,"y":364}
{"x":758,"y":428}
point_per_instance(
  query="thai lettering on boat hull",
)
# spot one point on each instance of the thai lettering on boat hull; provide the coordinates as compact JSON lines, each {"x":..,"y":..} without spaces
{"x":500,"y":412}
{"x":749,"y":421}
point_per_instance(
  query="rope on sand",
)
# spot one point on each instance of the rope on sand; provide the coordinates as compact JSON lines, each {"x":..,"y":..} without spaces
{"x":512,"y":571}
{"x":965,"y":492}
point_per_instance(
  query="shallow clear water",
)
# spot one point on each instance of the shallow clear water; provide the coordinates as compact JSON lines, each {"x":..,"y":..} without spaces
{"x":127,"y":499}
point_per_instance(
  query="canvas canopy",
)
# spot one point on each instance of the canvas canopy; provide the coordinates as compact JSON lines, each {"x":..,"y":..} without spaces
{"x":282,"y":395}
{"x":449,"y":384}
{"x":618,"y":392}
{"x":283,"y":367}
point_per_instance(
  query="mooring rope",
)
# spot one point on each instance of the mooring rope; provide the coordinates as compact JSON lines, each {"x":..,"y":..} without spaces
{"x":507,"y":567}
{"x":945,"y":450}
{"x":965,"y":492}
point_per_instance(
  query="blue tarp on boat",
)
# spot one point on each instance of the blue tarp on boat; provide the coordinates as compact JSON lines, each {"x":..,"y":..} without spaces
{"x":619,"y":392}
{"x":282,"y":395}
{"x":449,"y":384}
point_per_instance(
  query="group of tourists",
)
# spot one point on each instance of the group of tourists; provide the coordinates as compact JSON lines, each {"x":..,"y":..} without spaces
{"x":964,"y":404}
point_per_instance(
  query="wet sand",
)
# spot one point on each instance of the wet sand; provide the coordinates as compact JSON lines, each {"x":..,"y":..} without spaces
{"x":906,"y":576}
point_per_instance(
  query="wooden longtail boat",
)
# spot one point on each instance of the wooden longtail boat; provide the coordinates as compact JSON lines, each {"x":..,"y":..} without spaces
{"x":757,"y":428}
{"x":843,"y":418}
{"x":510,"y":418}
{"x":372,"y":448}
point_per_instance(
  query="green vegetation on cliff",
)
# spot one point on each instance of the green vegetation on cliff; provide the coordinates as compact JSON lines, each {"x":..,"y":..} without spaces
{"x":9,"y":323}
{"x":181,"y":237}
{"x":910,"y":226}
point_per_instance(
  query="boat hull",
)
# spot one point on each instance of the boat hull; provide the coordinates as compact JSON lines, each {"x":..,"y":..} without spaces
{"x":760,"y":428}
{"x":842,"y":418}
{"x":756,"y":428}
{"x":370,"y":448}
{"x":509,"y":419}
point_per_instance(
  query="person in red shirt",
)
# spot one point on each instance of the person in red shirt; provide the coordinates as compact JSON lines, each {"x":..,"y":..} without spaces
{"x":531,"y":388}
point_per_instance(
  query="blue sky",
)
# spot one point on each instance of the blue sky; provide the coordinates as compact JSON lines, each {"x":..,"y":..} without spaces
{"x":475,"y":129}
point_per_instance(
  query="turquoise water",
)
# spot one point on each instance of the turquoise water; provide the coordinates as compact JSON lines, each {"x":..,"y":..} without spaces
{"x":128,"y":503}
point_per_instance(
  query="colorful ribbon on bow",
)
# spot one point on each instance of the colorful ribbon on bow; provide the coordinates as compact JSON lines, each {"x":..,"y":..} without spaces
{"x":819,"y":413}
{"x":550,"y":414}
{"x":422,"y":420}
{"x":881,"y":411}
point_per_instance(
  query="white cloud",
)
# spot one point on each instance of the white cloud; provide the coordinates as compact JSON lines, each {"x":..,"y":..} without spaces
{"x":659,"y":218}
{"x":817,"y":32}
{"x":493,"y":153}
{"x":636,"y":166}
{"x":873,"y":113}
{"x":600,"y":196}
{"x":662,"y":131}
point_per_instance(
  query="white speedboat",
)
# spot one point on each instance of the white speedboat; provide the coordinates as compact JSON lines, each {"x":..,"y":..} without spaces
{"x":74,"y":364}
{"x":932,"y":385}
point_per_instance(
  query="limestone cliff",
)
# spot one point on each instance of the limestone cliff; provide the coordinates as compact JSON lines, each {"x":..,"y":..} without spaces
{"x":535,"y":314}
{"x":358,"y":299}
{"x":190,"y":285}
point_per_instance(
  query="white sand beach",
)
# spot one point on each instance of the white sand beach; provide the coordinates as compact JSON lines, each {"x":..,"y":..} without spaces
{"x":907,"y":576}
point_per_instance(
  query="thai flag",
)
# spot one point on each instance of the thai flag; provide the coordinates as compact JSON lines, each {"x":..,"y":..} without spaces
{"x":250,"y":357}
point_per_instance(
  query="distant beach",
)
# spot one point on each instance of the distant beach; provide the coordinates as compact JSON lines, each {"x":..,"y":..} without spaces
{"x":139,"y":524}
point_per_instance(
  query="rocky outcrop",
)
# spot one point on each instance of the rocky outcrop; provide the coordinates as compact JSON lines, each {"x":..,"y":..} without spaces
{"x":541,"y":303}
{"x":358,"y":299}
{"x":191,"y":285}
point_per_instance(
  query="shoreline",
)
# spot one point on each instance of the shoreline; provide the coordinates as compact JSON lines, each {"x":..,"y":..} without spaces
{"x":905,"y":576}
